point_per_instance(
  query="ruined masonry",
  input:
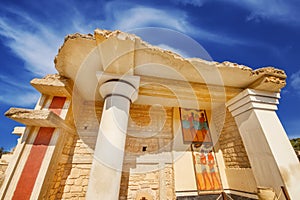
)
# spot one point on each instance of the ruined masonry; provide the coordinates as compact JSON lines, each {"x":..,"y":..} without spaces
{"x":126,"y":120}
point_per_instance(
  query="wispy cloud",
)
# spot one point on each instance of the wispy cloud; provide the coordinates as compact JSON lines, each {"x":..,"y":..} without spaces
{"x":197,"y":3}
{"x":279,"y":10}
{"x":285,"y":11}
{"x":128,"y":16}
{"x":295,"y":81}
{"x":16,"y":97}
{"x":175,"y":50}
{"x":36,"y":44}
{"x":37,"y":48}
{"x":12,"y":92}
{"x":135,"y":16}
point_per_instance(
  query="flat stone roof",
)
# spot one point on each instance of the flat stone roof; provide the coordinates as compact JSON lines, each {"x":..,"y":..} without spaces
{"x":122,"y":53}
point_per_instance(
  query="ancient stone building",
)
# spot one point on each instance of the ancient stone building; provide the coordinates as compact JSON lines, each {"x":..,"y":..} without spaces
{"x":126,"y":120}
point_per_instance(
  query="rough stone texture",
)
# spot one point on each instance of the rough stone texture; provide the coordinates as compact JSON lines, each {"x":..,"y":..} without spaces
{"x":149,"y":129}
{"x":87,"y":120}
{"x":5,"y":159}
{"x":71,"y":177}
{"x":54,"y":85}
{"x":27,"y":113}
{"x":157,"y":184}
{"x":41,"y":118}
{"x":72,"y":174}
{"x":149,"y":126}
{"x":62,"y":171}
{"x":3,"y":167}
{"x":144,"y":182}
{"x":232,"y":146}
{"x":130,"y":52}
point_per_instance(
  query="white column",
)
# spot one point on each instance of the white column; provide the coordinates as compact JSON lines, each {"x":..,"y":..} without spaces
{"x":106,"y":171}
{"x":271,"y":155}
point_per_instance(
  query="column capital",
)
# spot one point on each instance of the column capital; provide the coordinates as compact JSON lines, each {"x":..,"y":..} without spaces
{"x":126,"y":86}
{"x":250,"y":99}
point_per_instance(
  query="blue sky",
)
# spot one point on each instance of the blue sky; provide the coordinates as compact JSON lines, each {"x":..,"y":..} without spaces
{"x":255,"y":33}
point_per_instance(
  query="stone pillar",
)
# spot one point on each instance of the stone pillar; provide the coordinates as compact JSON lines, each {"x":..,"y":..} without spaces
{"x":271,"y":155}
{"x":118,"y":92}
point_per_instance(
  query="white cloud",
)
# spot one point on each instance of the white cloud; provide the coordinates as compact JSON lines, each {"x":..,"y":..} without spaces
{"x":35,"y":43}
{"x":19,"y":98}
{"x":295,"y":81}
{"x":37,"y":48}
{"x":137,"y":17}
{"x":12,"y":92}
{"x":131,"y":16}
{"x":175,"y":50}
{"x":285,"y":11}
{"x":278,"y":10}
{"x":197,"y":3}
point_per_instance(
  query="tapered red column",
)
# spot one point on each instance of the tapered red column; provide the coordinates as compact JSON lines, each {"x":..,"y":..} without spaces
{"x":106,"y":171}
{"x":272,"y":158}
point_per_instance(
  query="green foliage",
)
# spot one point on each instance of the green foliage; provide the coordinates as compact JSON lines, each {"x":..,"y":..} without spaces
{"x":296,"y":143}
{"x":1,"y":151}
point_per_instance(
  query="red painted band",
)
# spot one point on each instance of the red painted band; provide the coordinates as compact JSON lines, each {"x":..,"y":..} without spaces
{"x":57,"y":104}
{"x":33,"y":164}
{"x":37,"y":153}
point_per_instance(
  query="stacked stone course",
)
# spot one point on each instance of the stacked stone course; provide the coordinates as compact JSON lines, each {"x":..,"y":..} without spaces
{"x":232,"y":146}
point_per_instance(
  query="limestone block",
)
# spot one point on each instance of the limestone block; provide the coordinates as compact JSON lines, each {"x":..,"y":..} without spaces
{"x":53,"y":85}
{"x":75,"y":188}
{"x":232,"y":146}
{"x":40,"y":118}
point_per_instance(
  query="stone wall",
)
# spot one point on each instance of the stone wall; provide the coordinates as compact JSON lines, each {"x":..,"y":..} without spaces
{"x":158,"y":184}
{"x":147,"y":170}
{"x":87,"y":120}
{"x":150,"y":127}
{"x":149,"y":133}
{"x":3,"y":167}
{"x":232,"y":146}
{"x":238,"y":170}
{"x":4,"y":161}
{"x":72,"y":173}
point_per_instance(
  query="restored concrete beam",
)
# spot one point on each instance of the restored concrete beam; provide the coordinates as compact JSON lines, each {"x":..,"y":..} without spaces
{"x":54,"y":85}
{"x":272,"y":158}
{"x":19,"y":130}
{"x":41,"y":118}
{"x":268,"y":83}
{"x":82,"y":55}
